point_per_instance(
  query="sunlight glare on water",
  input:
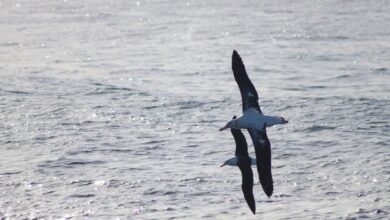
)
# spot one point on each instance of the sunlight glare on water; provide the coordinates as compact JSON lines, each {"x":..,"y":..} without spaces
{"x":112,"y":109}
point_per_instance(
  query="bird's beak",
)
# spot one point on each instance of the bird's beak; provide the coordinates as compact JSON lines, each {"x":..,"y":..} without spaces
{"x":223,"y":165}
{"x":284,"y":120}
{"x":221,"y":129}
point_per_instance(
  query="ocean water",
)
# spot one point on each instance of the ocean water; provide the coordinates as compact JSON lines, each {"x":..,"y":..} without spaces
{"x":111,"y":109}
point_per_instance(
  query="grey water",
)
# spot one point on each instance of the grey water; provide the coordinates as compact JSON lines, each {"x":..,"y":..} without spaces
{"x":111,"y":109}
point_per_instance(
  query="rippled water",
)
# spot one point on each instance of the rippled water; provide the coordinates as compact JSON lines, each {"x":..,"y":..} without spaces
{"x":112,"y":108}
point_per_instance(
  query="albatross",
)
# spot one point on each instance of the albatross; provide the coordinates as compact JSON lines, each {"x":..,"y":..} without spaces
{"x":252,"y":116}
{"x":255,"y":122}
{"x":244,"y":162}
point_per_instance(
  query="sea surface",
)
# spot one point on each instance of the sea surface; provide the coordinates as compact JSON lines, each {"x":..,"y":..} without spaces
{"x":111,"y":109}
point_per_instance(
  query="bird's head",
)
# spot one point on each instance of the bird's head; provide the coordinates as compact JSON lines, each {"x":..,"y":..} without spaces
{"x":283,"y":120}
{"x":230,"y":124}
{"x":231,"y":162}
{"x":275,"y":120}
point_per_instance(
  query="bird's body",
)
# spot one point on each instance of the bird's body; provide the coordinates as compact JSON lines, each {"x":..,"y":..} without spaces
{"x":254,"y":119}
{"x":235,"y":160}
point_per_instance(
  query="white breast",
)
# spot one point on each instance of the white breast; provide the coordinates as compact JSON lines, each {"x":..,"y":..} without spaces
{"x":251,"y":119}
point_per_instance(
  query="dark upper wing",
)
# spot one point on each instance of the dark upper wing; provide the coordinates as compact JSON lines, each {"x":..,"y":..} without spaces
{"x":248,"y":92}
{"x":263,"y":157}
{"x":244,"y":164}
{"x":241,"y":145}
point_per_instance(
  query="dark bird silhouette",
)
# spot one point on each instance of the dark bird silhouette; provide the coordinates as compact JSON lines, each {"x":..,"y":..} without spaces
{"x":244,"y":162}
{"x":251,"y":107}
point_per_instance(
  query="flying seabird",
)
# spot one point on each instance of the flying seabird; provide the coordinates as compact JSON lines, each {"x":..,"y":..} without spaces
{"x":252,"y":116}
{"x":244,"y":162}
{"x":255,"y":122}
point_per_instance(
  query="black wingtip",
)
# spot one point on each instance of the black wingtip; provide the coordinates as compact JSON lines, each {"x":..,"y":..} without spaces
{"x":250,"y":200}
{"x":253,"y":209}
{"x":235,"y":53}
{"x":267,"y":184}
{"x":268,"y":188}
{"x":237,"y":64}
